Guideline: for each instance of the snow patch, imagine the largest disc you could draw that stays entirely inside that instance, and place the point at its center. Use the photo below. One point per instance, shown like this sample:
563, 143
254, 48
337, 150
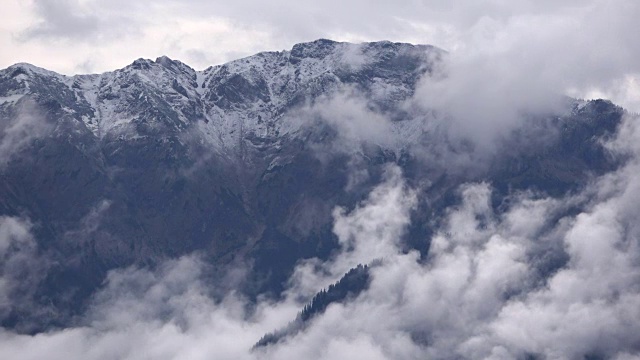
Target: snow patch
11, 99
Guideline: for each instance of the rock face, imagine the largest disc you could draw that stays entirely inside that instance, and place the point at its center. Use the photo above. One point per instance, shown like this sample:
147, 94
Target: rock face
243, 162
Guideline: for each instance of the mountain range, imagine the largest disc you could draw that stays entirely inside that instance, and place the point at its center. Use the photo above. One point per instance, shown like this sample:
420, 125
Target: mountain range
245, 163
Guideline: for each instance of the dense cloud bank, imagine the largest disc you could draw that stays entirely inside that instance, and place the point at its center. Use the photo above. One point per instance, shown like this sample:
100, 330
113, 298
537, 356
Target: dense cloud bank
528, 282
538, 280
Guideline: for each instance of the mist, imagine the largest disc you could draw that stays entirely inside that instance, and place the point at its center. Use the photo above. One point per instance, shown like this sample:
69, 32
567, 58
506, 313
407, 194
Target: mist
486, 289
547, 277
17, 133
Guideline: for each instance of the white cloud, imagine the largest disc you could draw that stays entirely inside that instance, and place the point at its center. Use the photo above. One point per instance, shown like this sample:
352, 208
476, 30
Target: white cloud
350, 114
505, 68
518, 50
19, 131
21, 267
477, 295
370, 232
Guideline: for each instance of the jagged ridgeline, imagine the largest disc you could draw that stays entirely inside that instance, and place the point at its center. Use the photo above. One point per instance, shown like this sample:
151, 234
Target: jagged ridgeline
244, 162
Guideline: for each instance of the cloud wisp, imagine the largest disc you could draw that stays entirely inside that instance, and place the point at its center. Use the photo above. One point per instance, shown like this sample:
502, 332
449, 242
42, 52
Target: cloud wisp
535, 281
17, 132
486, 290
22, 268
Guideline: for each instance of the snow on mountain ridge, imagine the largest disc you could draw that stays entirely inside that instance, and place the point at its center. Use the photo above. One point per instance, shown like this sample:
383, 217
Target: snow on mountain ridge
227, 102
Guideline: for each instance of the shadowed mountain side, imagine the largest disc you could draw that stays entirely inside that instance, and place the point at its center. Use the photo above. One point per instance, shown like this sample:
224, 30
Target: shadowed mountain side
246, 161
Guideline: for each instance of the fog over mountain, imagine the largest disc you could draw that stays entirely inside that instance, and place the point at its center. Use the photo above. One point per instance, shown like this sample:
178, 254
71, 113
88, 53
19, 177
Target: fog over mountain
377, 200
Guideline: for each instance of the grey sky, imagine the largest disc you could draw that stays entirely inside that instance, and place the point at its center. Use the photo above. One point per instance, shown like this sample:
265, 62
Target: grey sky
247, 25
72, 36
589, 45
506, 56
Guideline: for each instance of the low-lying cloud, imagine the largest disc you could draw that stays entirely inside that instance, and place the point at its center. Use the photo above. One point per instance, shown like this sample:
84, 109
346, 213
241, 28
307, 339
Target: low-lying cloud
17, 132
22, 268
486, 289
535, 281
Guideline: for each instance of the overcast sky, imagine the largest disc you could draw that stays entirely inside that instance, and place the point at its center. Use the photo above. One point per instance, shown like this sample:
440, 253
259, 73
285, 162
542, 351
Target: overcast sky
593, 42
505, 56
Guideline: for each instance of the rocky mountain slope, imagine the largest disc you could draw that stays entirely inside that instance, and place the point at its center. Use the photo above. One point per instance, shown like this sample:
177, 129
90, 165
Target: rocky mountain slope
243, 162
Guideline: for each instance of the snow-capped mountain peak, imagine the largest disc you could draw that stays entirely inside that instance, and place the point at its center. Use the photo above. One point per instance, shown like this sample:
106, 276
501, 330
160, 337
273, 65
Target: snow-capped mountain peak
245, 96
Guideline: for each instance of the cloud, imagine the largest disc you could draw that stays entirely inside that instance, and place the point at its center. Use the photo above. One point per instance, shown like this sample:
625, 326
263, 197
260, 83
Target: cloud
77, 20
22, 268
162, 314
504, 70
370, 232
89, 35
17, 133
62, 18
584, 307
169, 312
536, 280
585, 48
480, 295
350, 114
16, 251
484, 291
